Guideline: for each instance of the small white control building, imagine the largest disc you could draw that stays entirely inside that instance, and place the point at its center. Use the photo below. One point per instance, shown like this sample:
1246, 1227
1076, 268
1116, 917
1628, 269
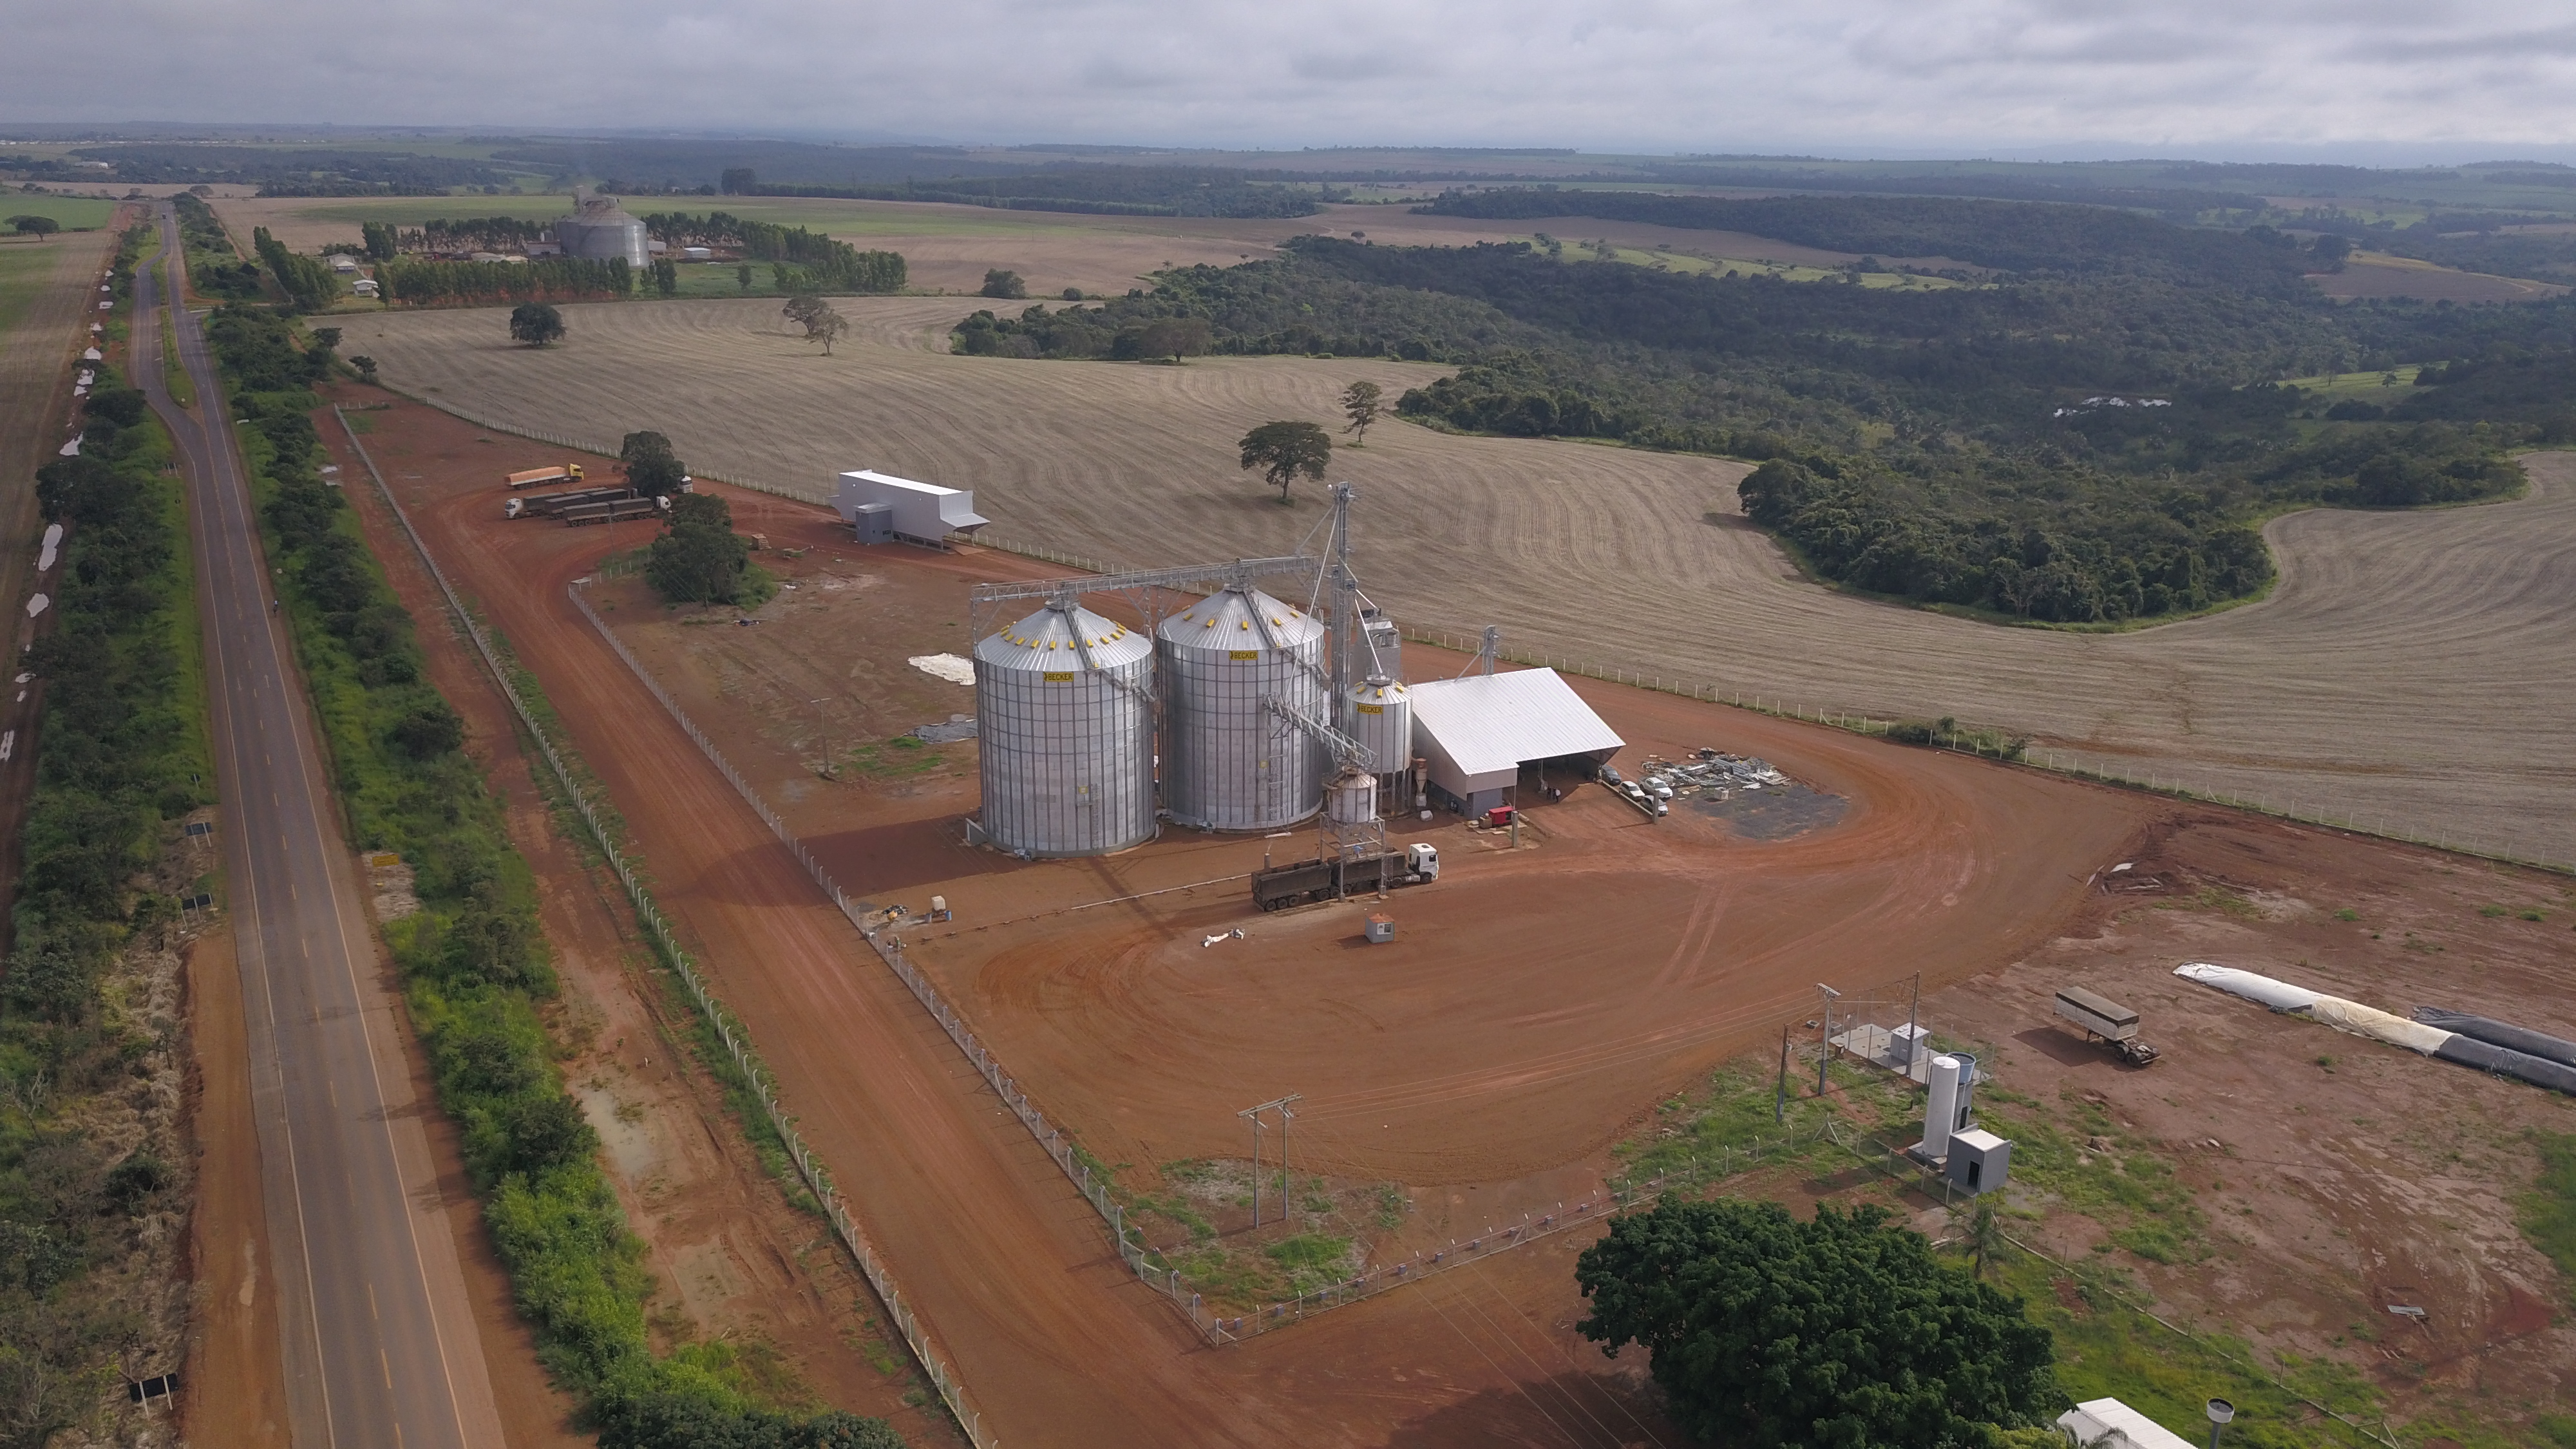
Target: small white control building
1478, 731
923, 513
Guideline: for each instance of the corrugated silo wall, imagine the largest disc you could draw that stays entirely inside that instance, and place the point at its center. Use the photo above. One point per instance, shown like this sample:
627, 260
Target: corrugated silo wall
1228, 762
1067, 758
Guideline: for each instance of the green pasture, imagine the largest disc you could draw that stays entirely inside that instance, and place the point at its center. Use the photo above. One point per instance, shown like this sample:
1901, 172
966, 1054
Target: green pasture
73, 213
2368, 386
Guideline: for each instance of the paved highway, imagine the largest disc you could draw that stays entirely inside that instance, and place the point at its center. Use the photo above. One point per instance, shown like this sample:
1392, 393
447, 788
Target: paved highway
379, 1343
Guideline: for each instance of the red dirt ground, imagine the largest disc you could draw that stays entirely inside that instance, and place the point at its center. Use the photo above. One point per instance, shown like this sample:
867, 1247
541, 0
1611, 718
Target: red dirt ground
1704, 941
734, 1260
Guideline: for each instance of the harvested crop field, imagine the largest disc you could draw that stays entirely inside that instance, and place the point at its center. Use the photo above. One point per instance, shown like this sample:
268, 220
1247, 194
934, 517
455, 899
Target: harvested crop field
2369, 275
2416, 671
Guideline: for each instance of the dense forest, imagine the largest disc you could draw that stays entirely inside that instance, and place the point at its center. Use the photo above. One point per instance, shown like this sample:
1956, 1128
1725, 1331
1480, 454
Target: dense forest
1113, 190
2087, 432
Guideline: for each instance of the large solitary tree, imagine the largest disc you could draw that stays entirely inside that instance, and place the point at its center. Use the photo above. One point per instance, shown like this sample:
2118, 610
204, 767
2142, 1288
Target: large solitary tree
536, 323
1361, 403
1283, 450
1843, 1332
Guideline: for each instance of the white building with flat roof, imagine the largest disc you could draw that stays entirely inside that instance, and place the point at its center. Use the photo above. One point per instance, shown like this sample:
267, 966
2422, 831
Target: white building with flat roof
916, 512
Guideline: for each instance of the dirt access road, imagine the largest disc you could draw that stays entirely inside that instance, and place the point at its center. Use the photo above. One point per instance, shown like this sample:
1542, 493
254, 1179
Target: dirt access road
2415, 669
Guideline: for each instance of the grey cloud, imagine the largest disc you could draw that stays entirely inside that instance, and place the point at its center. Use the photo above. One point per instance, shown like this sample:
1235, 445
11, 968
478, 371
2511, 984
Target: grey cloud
1656, 74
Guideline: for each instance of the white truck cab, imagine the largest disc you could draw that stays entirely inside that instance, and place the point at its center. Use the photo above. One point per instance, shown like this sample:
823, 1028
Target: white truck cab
1422, 860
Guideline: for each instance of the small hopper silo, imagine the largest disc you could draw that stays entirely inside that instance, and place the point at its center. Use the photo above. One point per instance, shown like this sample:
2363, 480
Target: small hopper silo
1229, 761
1064, 710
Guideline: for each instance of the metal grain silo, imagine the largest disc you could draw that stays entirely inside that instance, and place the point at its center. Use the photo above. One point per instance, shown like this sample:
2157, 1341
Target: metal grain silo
1229, 761
1064, 711
601, 230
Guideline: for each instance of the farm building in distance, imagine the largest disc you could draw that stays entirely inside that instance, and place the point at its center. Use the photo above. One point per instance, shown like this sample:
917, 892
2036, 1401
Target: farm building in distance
883, 508
1478, 732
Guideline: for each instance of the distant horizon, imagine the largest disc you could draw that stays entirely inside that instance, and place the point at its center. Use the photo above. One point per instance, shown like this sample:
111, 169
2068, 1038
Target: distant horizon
2391, 156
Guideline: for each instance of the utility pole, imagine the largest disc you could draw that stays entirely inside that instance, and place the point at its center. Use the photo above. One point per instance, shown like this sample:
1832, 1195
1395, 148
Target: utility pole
1825, 1035
1780, 1097
1911, 1005
1253, 1114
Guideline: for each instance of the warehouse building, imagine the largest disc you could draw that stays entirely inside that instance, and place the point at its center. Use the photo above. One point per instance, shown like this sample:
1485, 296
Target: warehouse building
1478, 733
881, 508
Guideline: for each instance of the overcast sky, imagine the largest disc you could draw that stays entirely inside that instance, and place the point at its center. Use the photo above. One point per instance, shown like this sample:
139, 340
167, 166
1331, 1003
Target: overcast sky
2399, 80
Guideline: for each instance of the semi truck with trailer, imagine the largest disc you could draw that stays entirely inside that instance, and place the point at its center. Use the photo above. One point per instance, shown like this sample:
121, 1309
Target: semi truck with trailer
539, 477
550, 505
1279, 887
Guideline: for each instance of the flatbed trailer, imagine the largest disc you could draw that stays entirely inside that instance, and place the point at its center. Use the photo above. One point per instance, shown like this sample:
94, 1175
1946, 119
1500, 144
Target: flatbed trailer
1280, 887
616, 512
549, 505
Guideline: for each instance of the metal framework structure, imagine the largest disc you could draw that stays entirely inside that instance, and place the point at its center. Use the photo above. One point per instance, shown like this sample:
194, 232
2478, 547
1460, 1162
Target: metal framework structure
1285, 1107
1142, 587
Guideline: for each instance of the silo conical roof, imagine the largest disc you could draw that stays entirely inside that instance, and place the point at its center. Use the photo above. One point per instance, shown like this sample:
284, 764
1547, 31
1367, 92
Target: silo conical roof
1227, 620
1046, 642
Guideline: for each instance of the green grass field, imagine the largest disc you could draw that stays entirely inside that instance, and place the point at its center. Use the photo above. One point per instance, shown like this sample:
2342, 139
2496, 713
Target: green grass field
75, 213
24, 266
2378, 387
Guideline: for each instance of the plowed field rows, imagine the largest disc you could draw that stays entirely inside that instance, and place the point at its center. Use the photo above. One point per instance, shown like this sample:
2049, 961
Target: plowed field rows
2411, 670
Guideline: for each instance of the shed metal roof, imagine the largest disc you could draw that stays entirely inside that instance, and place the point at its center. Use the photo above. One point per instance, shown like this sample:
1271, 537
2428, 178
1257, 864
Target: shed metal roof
1493, 722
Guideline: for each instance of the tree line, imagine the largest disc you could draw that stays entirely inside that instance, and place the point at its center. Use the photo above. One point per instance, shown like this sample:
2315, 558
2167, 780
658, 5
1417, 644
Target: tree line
2090, 442
121, 757
548, 279
812, 260
1080, 188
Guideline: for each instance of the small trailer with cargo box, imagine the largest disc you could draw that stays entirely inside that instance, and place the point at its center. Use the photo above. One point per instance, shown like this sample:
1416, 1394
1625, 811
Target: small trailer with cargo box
2102, 1017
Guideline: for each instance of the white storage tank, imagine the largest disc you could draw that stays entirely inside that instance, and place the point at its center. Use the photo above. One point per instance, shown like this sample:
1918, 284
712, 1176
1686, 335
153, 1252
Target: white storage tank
1229, 762
1379, 714
1065, 720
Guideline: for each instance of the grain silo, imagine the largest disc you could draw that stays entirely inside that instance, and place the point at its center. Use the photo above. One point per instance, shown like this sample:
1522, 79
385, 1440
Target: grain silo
600, 230
1064, 710
1230, 762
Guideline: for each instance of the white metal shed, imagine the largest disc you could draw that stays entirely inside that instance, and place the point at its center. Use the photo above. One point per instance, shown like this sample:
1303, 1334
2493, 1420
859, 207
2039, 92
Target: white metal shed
2114, 1425
1476, 732
923, 512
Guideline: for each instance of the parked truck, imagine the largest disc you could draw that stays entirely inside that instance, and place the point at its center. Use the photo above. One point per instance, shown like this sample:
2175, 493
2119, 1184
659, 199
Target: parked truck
617, 511
2100, 1016
1323, 880
538, 477
551, 505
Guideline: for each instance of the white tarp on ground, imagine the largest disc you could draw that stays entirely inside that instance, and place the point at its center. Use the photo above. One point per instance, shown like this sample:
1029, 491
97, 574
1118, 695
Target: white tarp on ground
2334, 1011
52, 547
954, 669
2278, 995
36, 604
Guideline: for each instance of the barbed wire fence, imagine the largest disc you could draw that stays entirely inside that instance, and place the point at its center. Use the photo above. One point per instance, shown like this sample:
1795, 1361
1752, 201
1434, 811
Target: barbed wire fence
729, 1029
